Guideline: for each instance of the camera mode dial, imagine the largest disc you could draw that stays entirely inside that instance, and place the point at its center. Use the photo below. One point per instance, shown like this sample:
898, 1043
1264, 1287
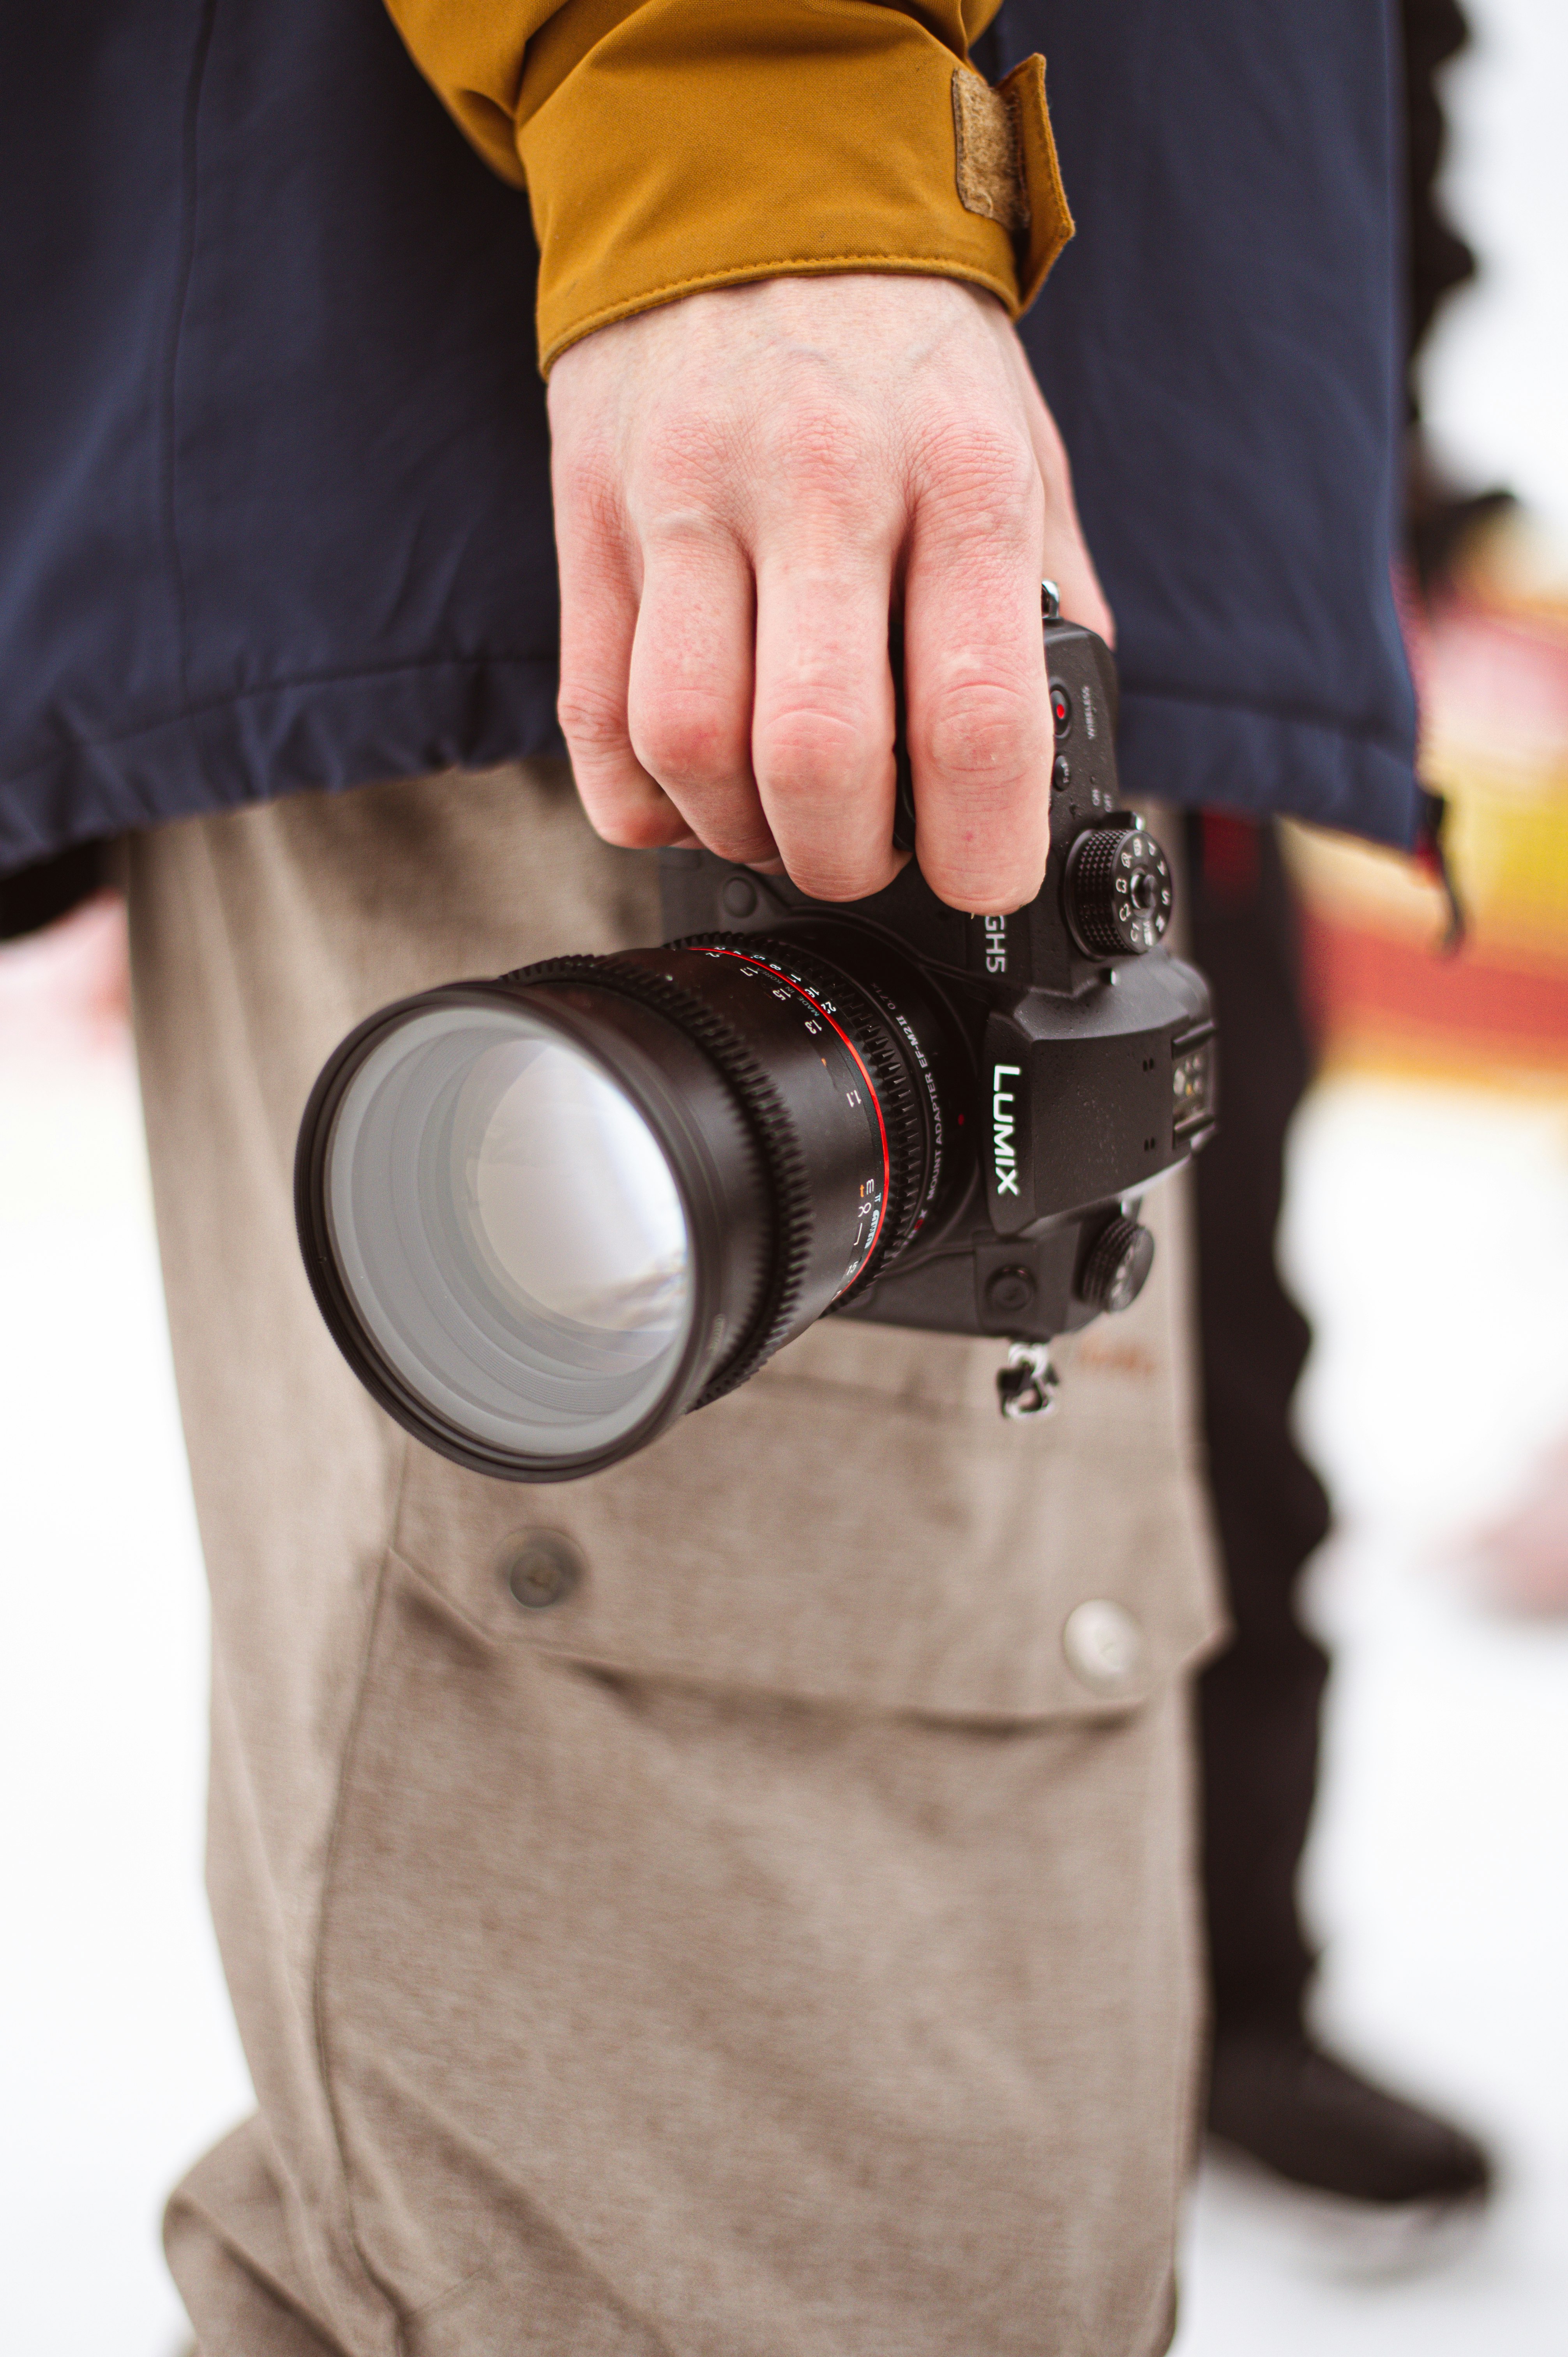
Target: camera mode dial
1119, 894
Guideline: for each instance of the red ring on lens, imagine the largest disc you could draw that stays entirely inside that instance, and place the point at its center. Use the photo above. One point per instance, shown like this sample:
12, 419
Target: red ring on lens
766, 965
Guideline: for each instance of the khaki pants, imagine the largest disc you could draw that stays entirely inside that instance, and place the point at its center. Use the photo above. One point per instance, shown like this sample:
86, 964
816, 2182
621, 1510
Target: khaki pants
776, 1946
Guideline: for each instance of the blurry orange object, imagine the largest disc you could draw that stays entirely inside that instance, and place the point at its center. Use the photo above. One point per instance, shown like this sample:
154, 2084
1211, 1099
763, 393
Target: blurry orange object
1494, 684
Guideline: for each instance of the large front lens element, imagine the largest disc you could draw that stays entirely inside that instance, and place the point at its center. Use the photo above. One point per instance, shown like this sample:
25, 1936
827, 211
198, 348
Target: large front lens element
508, 1231
545, 1216
566, 1202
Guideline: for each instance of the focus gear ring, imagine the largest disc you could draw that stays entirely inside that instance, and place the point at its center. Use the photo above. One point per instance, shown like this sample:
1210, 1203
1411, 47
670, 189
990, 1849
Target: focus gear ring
871, 1033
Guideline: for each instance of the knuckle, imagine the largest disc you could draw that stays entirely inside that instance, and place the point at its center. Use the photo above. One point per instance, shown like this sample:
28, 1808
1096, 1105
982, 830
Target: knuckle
814, 449
593, 719
983, 731
682, 474
687, 740
810, 751
586, 486
983, 477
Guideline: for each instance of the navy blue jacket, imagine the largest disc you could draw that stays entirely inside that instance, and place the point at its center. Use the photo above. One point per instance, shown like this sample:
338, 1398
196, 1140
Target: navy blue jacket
275, 503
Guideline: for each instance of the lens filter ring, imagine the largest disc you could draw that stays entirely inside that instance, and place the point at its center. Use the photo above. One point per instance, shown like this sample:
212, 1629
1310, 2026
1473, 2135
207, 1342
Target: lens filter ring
778, 1148
527, 1323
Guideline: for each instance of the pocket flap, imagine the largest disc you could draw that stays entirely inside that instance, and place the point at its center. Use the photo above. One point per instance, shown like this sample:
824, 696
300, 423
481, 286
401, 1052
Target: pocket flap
858, 1524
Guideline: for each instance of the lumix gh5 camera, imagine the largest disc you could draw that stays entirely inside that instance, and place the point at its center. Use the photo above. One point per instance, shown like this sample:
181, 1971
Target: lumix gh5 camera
545, 1215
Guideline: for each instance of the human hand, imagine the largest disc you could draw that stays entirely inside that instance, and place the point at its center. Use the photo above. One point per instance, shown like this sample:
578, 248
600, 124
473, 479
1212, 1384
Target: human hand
746, 483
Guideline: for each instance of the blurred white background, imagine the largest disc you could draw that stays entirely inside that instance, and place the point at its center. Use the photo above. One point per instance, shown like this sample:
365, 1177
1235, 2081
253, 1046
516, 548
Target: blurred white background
1427, 1236
1494, 386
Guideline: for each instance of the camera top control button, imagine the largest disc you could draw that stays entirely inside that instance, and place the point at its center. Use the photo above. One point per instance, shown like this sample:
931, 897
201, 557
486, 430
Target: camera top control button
1009, 1292
1061, 707
1103, 1646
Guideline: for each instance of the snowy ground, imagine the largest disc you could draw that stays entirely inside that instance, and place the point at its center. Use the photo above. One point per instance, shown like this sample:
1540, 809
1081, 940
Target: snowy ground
1427, 1230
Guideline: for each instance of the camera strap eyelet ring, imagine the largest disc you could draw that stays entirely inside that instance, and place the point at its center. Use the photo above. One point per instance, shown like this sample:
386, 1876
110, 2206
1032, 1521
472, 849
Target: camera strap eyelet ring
1028, 1384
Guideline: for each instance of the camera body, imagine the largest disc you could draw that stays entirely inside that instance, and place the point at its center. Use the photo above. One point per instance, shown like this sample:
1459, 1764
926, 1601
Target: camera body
1077, 1054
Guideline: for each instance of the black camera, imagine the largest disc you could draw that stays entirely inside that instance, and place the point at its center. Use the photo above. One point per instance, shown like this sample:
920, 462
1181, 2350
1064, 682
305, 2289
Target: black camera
545, 1215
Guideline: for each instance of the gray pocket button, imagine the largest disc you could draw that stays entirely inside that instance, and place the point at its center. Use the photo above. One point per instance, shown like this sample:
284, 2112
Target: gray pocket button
540, 1569
1104, 1646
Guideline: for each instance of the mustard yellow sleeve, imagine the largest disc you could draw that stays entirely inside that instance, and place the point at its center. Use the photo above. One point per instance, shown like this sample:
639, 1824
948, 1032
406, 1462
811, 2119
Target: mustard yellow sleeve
669, 146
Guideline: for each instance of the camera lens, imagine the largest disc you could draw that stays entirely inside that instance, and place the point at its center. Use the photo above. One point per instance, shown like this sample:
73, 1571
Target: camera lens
507, 1227
545, 1215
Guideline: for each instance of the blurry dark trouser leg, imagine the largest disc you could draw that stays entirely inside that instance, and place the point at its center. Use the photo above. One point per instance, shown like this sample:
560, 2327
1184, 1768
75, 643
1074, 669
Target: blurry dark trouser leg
1273, 2092
1259, 1701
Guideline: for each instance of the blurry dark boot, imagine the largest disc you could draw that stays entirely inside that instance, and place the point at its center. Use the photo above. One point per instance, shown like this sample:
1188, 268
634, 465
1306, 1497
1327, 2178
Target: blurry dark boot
1379, 2181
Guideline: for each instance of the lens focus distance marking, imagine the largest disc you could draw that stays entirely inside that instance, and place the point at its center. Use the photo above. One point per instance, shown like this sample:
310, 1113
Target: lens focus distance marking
858, 1092
866, 1067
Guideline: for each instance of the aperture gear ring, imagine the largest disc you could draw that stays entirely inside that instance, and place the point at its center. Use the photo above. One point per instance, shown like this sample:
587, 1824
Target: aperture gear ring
872, 1033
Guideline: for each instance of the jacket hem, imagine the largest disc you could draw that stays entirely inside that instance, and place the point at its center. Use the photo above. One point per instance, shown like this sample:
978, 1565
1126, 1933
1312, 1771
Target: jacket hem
1207, 753
353, 728
363, 728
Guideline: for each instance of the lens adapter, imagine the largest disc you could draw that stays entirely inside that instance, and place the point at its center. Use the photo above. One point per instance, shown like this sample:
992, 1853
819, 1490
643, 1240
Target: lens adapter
545, 1215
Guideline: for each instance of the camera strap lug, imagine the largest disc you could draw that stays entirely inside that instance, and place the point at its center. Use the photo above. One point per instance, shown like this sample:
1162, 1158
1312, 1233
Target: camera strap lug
1028, 1384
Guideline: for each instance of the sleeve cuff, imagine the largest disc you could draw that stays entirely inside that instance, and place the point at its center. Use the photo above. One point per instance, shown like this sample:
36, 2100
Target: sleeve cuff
698, 145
